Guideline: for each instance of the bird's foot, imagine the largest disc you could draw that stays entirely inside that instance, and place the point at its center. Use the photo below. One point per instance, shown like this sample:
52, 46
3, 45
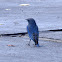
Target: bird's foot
28, 44
37, 45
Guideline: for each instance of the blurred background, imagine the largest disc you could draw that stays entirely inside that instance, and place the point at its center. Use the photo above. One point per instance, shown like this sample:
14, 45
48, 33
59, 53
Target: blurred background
47, 13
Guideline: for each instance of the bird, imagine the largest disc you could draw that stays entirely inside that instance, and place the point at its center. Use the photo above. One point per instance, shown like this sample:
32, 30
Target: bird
33, 31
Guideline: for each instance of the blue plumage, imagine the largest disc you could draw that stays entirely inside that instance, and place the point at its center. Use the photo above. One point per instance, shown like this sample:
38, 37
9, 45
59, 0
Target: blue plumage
32, 30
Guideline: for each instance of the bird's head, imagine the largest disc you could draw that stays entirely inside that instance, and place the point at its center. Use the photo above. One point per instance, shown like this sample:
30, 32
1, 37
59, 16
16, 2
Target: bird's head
31, 21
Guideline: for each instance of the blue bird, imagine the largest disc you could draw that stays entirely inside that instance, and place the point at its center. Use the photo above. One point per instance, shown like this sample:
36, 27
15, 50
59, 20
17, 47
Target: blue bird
32, 30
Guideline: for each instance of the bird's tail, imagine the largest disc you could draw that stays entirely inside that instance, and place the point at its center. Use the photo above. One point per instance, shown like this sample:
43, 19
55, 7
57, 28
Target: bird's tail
36, 43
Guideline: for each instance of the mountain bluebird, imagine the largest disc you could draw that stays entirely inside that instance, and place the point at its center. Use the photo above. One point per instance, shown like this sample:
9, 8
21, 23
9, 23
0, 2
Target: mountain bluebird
32, 30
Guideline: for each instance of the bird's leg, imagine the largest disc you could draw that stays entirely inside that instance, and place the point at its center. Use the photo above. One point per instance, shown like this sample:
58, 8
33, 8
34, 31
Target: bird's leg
29, 42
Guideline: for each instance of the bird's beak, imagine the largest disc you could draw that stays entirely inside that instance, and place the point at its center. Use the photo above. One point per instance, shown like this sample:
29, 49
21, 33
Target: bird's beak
26, 19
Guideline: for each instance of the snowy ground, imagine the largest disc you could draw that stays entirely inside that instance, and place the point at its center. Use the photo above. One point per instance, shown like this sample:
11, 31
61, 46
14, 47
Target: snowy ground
48, 52
48, 15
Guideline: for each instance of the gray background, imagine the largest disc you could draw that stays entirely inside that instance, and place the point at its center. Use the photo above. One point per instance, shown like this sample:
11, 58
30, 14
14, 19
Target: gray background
48, 15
